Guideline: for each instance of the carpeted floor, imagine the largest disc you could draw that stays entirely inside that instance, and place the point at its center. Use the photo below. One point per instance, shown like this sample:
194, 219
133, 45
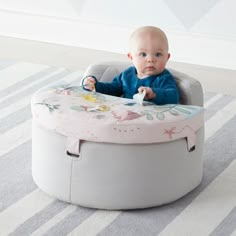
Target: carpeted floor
25, 210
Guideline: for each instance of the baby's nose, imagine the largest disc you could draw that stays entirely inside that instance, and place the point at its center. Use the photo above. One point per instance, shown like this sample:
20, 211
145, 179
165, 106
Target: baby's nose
151, 59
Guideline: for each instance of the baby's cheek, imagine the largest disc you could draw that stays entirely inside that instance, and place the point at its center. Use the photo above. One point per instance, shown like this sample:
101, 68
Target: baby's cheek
162, 65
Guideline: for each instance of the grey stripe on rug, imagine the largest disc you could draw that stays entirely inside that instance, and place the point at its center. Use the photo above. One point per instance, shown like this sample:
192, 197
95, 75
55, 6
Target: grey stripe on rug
210, 209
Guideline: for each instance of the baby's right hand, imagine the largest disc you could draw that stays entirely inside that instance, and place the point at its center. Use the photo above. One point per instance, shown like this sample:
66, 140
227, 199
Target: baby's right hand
89, 83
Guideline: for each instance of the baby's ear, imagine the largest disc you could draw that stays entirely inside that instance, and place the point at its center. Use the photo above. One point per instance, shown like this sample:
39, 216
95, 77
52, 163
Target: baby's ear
129, 56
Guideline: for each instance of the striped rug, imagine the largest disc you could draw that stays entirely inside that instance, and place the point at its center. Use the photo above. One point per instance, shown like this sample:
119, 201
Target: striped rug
25, 210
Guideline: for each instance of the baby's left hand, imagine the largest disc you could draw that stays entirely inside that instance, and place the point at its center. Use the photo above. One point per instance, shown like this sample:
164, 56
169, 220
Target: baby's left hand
149, 92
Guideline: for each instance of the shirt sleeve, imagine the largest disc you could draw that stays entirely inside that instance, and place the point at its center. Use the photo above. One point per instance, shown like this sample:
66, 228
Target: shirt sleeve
166, 90
113, 88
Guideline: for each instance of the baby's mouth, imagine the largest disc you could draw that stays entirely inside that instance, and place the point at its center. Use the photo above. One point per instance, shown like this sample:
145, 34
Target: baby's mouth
150, 68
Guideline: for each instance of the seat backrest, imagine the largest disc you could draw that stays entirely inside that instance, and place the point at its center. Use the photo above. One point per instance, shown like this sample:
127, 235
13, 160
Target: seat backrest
191, 92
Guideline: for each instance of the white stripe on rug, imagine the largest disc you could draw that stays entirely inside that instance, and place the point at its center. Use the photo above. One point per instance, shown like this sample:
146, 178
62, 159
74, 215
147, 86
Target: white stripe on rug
95, 223
17, 72
15, 137
43, 78
14, 107
220, 118
74, 76
233, 234
19, 212
55, 220
213, 100
208, 209
26, 100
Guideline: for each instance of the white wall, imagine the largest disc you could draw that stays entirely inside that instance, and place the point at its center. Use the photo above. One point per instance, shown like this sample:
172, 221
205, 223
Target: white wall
200, 32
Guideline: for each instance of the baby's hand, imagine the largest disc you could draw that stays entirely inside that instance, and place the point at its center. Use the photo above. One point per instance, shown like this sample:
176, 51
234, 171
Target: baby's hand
149, 92
89, 83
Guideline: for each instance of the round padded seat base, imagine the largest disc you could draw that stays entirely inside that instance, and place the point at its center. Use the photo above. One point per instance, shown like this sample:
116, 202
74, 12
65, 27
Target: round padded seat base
106, 152
115, 176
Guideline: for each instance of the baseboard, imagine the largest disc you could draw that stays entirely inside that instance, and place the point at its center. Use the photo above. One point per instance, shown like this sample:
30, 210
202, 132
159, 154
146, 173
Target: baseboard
184, 47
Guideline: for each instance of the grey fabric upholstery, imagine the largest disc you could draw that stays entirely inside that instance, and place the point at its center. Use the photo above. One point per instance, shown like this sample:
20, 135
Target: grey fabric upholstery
191, 92
119, 176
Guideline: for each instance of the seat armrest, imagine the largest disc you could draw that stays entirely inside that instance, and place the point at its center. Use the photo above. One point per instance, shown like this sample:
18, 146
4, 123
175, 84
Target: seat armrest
191, 92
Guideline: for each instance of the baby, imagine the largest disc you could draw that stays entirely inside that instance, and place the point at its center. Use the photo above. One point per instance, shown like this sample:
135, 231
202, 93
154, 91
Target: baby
149, 53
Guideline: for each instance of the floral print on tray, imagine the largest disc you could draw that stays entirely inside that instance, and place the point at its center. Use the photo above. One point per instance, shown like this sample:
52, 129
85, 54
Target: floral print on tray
72, 111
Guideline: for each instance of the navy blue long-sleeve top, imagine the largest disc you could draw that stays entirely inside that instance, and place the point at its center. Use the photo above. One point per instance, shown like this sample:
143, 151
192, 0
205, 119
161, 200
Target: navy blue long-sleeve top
127, 83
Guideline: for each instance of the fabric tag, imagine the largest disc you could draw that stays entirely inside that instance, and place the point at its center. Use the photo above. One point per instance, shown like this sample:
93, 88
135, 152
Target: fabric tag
73, 146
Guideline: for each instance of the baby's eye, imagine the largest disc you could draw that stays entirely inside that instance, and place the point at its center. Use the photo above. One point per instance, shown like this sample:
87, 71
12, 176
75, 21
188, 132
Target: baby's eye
143, 54
158, 54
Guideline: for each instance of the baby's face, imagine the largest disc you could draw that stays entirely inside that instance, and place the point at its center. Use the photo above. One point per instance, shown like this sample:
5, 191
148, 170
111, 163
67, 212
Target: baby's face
149, 54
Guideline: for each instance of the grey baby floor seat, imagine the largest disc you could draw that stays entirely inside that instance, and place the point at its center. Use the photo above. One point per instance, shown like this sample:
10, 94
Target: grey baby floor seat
75, 166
